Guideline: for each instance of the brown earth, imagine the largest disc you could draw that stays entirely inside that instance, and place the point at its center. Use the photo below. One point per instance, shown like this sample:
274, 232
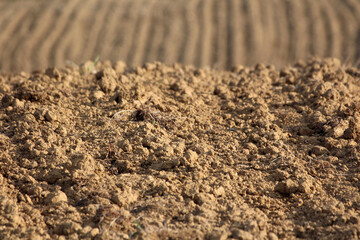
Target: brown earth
175, 152
38, 34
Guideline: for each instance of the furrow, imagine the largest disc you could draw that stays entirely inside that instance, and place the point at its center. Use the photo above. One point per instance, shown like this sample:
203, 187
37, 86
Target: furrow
129, 30
231, 26
42, 33
60, 25
163, 34
185, 33
333, 32
28, 51
313, 26
318, 41
354, 7
104, 28
309, 27
268, 23
74, 41
219, 58
175, 33
120, 31
299, 38
11, 28
290, 20
58, 51
276, 43
113, 21
98, 12
22, 30
193, 35
18, 52
303, 37
155, 33
136, 58
256, 32
283, 36
349, 27
6, 13
174, 45
204, 43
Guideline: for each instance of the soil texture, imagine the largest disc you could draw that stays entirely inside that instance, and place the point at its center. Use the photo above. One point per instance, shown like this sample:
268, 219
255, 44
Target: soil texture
176, 152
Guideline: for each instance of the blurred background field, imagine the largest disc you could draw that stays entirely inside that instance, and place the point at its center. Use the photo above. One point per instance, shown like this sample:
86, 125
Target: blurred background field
36, 34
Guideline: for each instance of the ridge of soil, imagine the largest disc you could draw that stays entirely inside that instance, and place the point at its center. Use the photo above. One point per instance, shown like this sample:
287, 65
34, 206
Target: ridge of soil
205, 33
176, 152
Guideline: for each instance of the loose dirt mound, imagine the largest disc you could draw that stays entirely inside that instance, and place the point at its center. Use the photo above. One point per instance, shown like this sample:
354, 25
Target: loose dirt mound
174, 152
220, 34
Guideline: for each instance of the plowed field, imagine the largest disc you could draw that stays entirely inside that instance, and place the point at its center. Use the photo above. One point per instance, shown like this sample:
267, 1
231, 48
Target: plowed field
175, 152
141, 147
219, 34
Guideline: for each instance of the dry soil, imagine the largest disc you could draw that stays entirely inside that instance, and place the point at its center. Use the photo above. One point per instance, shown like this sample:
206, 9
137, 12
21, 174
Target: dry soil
176, 152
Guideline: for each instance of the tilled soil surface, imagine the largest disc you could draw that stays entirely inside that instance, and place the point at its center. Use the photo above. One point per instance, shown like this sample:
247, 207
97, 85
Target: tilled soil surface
175, 152
37, 34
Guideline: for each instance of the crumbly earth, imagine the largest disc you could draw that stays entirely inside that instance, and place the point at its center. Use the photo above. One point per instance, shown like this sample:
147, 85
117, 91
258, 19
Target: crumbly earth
176, 152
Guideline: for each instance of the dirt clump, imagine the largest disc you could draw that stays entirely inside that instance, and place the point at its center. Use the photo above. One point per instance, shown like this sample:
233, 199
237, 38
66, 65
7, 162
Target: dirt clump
175, 152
